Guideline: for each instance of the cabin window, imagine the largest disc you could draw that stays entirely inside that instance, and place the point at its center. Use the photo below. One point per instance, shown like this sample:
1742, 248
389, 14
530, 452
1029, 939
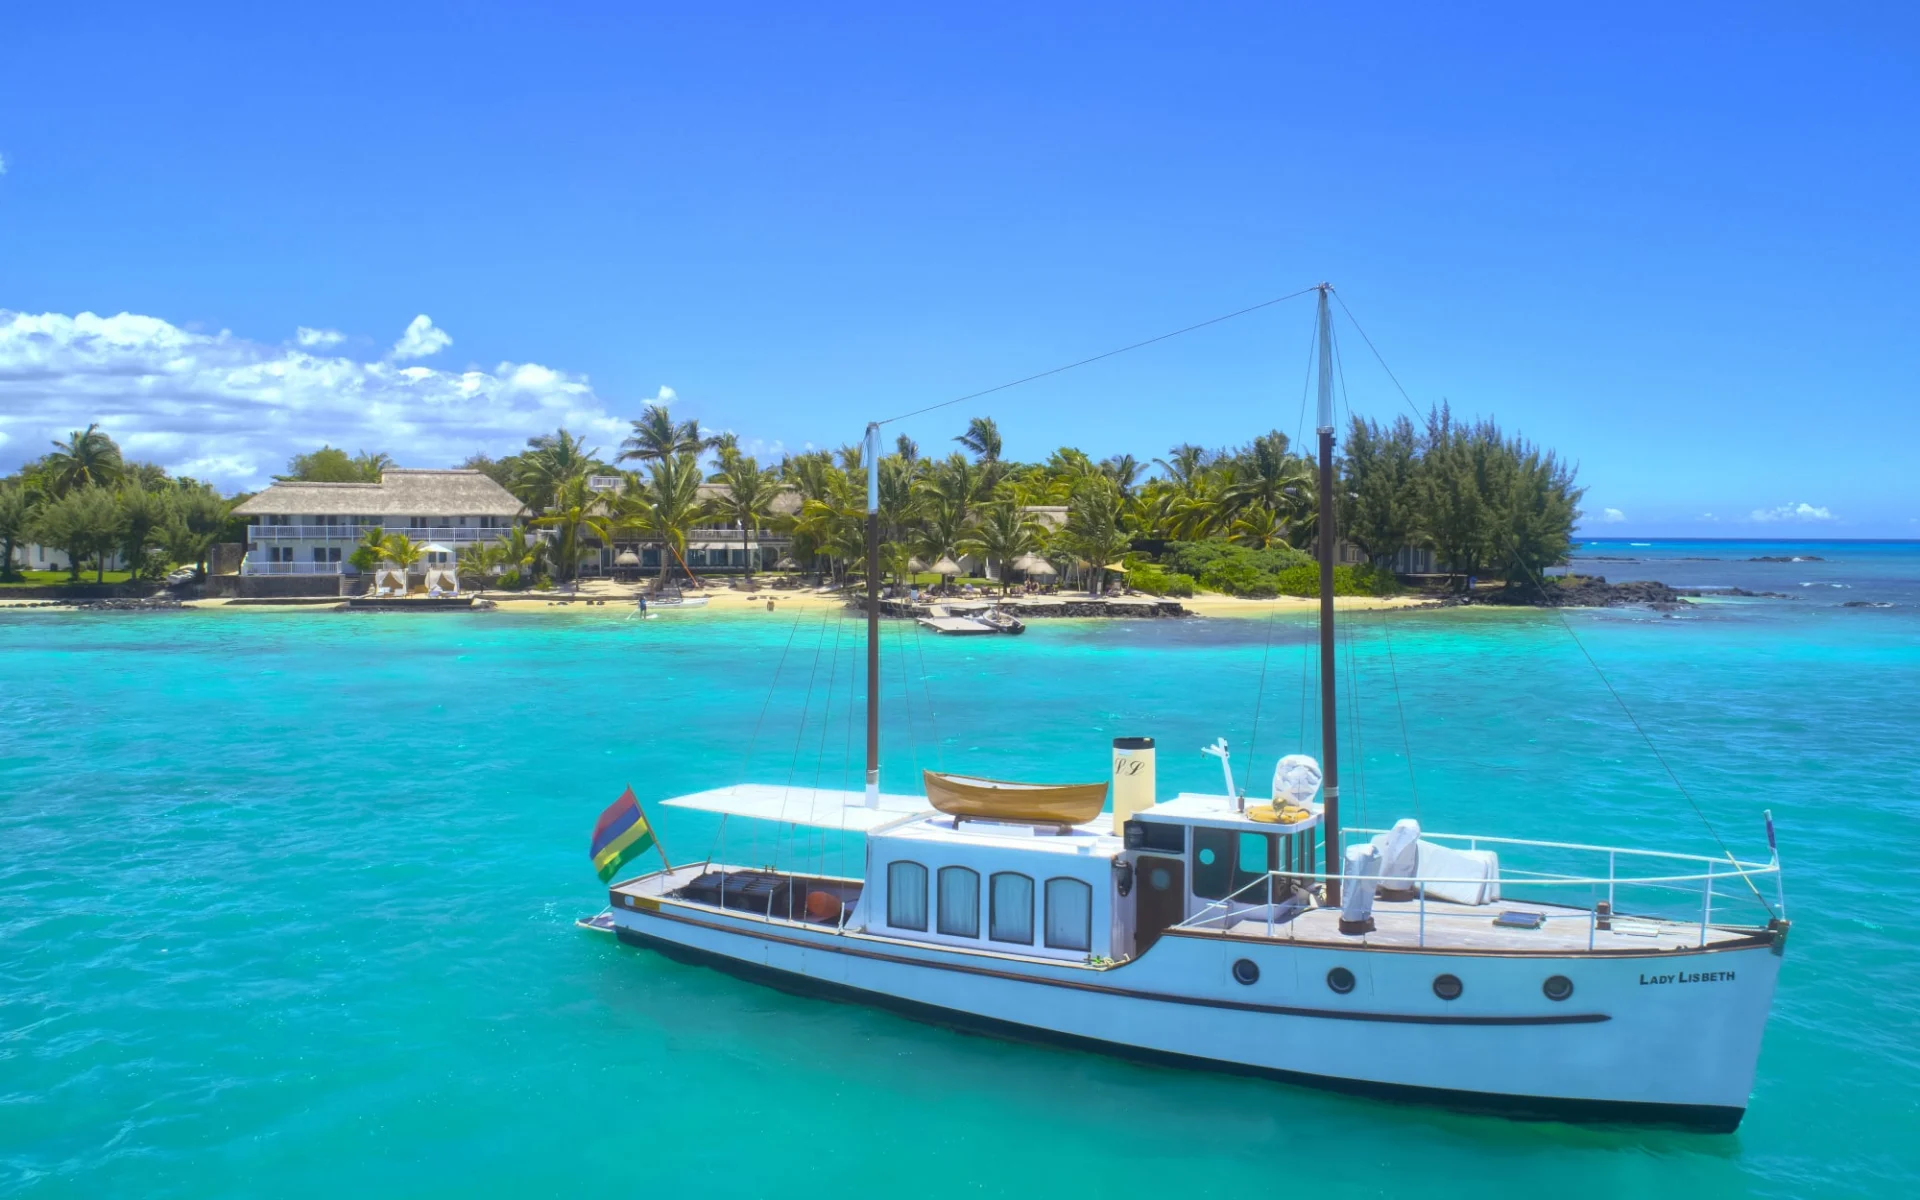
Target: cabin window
1011, 915
959, 902
1212, 862
907, 896
1069, 914
1253, 854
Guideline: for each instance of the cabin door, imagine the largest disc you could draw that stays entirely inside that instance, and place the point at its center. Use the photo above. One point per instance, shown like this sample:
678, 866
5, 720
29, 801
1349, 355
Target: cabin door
1159, 898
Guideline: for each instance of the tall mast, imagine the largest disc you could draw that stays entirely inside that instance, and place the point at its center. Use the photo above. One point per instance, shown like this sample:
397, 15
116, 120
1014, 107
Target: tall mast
1329, 740
873, 615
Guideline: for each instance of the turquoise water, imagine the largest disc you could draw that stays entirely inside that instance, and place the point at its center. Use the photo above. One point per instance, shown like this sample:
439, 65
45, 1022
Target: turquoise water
286, 899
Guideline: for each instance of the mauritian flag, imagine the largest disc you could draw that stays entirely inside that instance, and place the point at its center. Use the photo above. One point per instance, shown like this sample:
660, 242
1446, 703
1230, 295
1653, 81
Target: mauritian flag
622, 834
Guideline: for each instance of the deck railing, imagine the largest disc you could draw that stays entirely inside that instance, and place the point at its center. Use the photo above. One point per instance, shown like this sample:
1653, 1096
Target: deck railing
1688, 879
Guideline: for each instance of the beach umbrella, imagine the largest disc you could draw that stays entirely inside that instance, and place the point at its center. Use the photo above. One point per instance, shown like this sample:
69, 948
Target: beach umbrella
1120, 567
434, 548
628, 559
915, 565
1033, 564
946, 566
786, 564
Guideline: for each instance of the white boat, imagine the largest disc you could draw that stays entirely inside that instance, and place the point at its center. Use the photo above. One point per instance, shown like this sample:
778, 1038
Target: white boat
671, 599
1490, 974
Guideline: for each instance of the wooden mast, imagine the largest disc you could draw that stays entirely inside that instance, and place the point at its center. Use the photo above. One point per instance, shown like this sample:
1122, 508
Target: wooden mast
873, 616
1329, 741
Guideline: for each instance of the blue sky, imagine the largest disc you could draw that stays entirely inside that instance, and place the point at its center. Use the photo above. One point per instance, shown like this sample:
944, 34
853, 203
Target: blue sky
1674, 242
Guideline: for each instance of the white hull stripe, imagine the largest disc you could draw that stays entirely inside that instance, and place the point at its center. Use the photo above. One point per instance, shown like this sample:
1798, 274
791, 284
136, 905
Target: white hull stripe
1332, 1014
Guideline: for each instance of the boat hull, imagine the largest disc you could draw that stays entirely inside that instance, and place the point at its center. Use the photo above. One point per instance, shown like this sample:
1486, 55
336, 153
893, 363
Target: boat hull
1640, 1041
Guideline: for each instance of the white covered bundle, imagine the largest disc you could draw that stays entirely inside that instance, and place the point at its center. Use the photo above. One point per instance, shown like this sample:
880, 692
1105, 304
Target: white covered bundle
1356, 891
1399, 857
1480, 868
1296, 778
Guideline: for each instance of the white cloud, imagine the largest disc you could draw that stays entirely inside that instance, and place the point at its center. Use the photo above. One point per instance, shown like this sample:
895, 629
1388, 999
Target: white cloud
232, 411
1792, 512
421, 339
3, 164
664, 396
319, 337
1611, 516
1708, 517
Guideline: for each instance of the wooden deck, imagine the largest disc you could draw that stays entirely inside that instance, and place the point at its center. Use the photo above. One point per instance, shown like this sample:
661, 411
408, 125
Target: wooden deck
1467, 927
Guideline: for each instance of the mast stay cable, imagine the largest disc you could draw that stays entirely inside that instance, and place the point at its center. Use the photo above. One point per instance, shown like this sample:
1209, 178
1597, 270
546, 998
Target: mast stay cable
1513, 558
1096, 358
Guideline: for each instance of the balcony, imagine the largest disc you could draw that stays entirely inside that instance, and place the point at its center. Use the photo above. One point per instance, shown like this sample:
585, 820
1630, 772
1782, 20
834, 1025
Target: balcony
446, 534
249, 567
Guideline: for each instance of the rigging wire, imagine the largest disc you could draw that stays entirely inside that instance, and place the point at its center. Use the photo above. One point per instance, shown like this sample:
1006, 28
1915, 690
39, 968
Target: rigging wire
1273, 609
1393, 673
926, 691
1514, 558
1096, 358
826, 723
906, 694
746, 761
1348, 628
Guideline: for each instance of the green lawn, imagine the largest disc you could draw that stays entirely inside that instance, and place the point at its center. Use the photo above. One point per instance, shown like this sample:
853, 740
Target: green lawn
56, 578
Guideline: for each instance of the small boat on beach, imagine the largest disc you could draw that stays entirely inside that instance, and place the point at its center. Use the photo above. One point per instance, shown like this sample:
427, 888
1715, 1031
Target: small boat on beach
943, 619
671, 599
1254, 935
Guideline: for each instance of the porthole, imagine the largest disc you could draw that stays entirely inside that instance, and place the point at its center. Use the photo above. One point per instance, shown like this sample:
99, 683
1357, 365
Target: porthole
1160, 878
1340, 980
1447, 987
1206, 857
1245, 970
1557, 987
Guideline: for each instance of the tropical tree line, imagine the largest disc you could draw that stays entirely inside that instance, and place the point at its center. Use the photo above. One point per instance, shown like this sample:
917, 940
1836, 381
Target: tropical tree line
1240, 519
1237, 519
87, 500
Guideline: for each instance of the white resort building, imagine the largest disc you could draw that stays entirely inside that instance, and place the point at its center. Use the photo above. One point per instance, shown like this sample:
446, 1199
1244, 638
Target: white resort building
310, 529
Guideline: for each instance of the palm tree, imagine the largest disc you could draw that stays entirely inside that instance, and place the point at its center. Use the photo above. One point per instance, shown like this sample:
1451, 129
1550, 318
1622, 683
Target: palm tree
480, 560
1094, 530
1003, 533
550, 463
371, 550
1183, 464
657, 436
402, 551
1257, 527
88, 458
983, 438
517, 553
143, 517
749, 498
372, 465
907, 449
16, 516
576, 509
668, 505
1283, 482
1125, 471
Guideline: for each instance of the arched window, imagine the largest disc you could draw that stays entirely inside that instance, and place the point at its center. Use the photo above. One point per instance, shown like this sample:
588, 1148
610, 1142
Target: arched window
1011, 915
959, 902
907, 896
1069, 914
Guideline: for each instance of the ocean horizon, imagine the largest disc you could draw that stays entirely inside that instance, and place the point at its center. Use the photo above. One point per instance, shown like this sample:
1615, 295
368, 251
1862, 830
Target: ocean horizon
288, 900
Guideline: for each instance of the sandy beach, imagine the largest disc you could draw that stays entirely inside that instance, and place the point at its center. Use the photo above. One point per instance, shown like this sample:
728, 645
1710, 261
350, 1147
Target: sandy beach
593, 593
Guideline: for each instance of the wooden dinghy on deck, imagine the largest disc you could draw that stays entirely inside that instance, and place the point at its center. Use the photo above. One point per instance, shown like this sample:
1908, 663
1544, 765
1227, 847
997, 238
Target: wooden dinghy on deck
969, 797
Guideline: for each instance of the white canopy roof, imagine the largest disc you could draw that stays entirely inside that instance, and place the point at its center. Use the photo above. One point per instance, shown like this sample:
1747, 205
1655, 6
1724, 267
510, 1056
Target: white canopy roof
818, 808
